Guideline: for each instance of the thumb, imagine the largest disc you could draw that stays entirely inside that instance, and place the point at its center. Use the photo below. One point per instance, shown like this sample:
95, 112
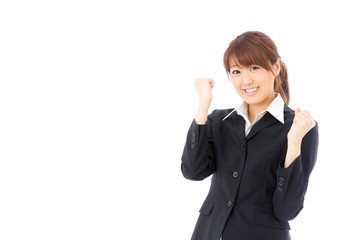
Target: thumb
211, 83
297, 110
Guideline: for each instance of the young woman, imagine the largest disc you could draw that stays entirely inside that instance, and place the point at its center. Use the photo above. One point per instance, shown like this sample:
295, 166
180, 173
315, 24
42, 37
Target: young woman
260, 155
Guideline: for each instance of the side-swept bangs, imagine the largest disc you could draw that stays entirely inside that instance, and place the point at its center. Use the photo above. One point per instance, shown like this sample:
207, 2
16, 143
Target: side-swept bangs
246, 52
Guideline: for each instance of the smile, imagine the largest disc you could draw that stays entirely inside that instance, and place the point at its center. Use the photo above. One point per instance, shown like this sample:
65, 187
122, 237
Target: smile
251, 90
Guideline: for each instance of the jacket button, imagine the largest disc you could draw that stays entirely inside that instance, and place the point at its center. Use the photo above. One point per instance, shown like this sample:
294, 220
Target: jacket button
243, 147
281, 178
280, 189
193, 145
235, 174
229, 203
194, 134
281, 184
193, 140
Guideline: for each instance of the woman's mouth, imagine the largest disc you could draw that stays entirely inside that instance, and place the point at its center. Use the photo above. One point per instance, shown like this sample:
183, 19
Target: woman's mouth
251, 91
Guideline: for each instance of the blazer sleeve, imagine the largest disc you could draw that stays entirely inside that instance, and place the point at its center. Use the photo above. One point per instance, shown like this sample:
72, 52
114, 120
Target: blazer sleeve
197, 161
292, 181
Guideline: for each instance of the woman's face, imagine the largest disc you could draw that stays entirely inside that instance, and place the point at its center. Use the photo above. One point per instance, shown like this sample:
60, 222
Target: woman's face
254, 84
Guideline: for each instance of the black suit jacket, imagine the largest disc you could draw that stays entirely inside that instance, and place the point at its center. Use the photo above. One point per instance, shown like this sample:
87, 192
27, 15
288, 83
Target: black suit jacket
251, 197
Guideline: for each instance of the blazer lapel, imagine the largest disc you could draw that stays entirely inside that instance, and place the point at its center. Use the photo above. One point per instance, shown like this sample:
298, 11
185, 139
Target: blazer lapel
266, 121
239, 126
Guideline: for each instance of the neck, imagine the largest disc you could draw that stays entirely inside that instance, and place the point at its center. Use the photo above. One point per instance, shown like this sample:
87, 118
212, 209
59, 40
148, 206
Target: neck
255, 109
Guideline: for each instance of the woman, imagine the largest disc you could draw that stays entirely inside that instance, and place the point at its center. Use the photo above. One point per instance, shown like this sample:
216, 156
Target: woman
260, 155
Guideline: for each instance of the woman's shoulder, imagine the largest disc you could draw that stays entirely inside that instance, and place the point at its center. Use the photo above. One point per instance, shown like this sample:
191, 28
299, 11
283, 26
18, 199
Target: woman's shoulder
220, 114
289, 114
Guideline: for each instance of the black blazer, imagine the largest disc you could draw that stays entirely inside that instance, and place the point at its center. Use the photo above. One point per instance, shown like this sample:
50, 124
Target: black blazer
251, 197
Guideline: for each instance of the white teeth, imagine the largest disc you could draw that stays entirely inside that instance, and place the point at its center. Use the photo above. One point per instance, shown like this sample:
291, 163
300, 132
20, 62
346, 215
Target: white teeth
251, 90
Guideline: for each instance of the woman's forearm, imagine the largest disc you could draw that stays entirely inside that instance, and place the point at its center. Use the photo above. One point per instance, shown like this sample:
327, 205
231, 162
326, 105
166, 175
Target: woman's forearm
203, 87
202, 112
293, 151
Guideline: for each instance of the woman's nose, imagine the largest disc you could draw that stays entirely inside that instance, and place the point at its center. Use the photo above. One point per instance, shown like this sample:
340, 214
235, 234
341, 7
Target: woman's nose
247, 80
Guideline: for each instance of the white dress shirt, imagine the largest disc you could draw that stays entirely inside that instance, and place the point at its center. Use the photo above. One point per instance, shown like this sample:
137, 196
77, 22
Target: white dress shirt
276, 108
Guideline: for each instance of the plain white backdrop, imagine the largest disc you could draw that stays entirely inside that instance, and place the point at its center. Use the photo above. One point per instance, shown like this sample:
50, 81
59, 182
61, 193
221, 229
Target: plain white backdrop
96, 98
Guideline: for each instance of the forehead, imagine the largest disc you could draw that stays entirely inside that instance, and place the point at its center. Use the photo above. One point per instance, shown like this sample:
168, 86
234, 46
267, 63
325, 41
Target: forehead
233, 63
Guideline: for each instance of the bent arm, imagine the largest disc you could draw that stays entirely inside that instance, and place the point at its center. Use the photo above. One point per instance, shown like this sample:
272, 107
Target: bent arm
197, 161
292, 181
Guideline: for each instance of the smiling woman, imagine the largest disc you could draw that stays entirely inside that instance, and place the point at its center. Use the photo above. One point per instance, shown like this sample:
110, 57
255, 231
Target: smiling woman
256, 53
261, 158
255, 85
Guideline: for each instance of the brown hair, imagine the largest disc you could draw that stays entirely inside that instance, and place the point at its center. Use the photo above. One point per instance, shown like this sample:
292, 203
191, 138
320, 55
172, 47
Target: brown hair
256, 48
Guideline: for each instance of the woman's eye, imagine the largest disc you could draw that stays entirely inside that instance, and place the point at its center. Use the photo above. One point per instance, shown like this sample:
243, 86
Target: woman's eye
235, 72
254, 68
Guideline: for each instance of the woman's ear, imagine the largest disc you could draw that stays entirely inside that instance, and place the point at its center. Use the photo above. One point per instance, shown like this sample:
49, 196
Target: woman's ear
277, 67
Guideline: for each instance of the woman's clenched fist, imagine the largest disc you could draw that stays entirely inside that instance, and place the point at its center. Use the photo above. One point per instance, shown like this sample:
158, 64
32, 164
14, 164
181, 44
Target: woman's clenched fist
203, 87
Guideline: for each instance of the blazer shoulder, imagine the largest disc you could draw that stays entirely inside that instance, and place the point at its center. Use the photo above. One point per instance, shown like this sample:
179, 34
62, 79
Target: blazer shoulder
220, 114
289, 114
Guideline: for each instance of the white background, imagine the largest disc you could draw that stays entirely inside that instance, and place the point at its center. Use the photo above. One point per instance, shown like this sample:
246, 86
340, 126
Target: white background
96, 98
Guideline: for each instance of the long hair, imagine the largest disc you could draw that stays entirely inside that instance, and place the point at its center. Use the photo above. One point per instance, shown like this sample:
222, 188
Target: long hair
256, 48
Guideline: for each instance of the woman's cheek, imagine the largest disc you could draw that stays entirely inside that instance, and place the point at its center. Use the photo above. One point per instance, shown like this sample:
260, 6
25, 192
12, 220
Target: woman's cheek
240, 91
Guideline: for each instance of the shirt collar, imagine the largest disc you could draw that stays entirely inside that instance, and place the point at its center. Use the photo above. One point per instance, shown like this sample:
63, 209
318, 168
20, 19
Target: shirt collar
276, 108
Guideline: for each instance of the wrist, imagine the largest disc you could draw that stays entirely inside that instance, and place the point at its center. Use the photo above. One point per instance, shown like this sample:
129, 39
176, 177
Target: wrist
202, 112
294, 142
293, 151
205, 101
